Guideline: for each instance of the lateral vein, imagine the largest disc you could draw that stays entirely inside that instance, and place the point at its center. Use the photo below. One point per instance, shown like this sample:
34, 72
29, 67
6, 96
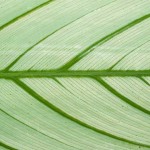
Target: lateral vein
70, 117
116, 93
101, 41
24, 14
44, 38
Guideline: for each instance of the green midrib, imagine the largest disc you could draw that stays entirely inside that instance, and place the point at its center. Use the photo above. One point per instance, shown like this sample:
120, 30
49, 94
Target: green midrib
78, 73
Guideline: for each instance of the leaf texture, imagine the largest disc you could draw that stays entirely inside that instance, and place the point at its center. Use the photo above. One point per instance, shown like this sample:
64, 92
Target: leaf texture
75, 75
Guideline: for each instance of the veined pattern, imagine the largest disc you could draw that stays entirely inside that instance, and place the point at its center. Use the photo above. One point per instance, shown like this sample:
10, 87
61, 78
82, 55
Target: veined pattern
75, 74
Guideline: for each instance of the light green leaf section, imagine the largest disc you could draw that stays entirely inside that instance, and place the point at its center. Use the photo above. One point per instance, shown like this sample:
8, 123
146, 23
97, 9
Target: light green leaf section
49, 122
40, 24
147, 79
14, 9
133, 88
75, 75
127, 51
93, 106
65, 44
30, 138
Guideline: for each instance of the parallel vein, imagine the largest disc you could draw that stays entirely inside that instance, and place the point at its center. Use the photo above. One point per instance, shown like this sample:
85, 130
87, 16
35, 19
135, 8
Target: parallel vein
101, 41
64, 114
44, 38
25, 14
66, 70
115, 92
126, 55
33, 128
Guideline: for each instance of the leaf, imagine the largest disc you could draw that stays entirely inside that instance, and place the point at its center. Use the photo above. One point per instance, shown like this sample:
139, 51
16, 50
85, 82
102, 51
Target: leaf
75, 75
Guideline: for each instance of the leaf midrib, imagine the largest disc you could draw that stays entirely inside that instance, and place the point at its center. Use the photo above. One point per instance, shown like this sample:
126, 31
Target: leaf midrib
73, 73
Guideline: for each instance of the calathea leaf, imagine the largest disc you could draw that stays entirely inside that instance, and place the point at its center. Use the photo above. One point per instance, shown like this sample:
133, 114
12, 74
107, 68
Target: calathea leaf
75, 75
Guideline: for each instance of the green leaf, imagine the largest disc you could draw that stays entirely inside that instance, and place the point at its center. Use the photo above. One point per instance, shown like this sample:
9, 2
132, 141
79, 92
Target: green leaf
75, 75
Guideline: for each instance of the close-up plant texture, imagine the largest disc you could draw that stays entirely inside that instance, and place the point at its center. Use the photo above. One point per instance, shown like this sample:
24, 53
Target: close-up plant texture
75, 74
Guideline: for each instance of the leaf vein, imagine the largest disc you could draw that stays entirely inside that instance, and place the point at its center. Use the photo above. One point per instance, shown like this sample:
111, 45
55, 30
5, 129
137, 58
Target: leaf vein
24, 14
116, 93
66, 115
103, 40
19, 57
34, 128
79, 73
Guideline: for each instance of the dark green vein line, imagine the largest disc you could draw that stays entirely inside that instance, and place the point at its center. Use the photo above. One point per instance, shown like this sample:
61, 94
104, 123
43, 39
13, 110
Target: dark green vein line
64, 114
34, 128
80, 73
59, 83
66, 88
18, 58
144, 81
101, 41
127, 55
125, 99
6, 146
25, 14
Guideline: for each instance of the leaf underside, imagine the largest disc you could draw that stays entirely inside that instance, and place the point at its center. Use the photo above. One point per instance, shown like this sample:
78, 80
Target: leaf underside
75, 74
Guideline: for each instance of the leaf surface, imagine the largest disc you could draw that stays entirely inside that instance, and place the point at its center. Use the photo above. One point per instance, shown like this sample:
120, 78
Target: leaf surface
75, 75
